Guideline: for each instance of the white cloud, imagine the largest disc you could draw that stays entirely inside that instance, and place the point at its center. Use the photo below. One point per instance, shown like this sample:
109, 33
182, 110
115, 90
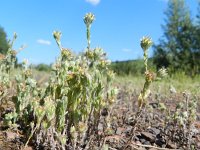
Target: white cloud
93, 2
126, 50
43, 42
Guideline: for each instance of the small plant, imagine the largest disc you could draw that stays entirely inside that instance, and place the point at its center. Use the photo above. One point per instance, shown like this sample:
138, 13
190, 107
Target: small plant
150, 76
182, 122
69, 106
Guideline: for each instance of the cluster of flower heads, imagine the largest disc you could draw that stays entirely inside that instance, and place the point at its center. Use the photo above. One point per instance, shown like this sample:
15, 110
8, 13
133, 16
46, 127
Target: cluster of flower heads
146, 42
88, 19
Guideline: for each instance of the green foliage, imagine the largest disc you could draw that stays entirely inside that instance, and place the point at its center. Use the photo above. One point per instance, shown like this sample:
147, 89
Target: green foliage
131, 67
175, 50
196, 43
198, 14
3, 42
42, 67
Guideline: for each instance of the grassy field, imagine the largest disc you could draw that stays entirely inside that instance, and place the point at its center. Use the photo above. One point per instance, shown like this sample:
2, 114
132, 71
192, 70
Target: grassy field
178, 82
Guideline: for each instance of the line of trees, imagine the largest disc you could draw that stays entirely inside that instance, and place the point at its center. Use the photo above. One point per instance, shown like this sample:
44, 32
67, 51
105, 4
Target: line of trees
131, 67
179, 47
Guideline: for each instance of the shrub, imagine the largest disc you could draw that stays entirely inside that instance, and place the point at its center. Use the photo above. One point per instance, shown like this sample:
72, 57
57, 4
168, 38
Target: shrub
43, 67
65, 113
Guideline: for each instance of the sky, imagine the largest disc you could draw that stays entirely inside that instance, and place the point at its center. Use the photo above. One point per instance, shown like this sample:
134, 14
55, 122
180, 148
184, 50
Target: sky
118, 27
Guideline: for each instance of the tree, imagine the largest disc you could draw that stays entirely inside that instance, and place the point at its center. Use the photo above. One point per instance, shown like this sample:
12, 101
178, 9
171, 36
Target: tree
175, 47
3, 41
198, 14
196, 46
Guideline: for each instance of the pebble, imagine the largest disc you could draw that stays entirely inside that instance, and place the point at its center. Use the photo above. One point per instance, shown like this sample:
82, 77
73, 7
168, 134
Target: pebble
10, 135
154, 131
148, 136
120, 130
128, 130
160, 142
171, 145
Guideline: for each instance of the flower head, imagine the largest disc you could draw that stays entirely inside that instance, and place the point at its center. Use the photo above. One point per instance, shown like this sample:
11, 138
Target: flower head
25, 62
66, 53
13, 52
57, 35
146, 42
162, 72
15, 35
88, 19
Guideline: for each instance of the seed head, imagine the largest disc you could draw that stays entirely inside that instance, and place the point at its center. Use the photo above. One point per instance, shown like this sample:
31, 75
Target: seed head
145, 43
2, 56
88, 19
150, 76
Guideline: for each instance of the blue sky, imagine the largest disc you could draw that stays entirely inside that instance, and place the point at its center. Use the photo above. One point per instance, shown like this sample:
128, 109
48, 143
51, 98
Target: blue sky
118, 27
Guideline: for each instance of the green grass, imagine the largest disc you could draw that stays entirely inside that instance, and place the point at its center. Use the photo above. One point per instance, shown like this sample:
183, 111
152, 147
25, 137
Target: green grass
181, 83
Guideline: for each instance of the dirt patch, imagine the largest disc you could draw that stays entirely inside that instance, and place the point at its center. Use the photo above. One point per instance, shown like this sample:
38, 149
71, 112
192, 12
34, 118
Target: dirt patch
124, 130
